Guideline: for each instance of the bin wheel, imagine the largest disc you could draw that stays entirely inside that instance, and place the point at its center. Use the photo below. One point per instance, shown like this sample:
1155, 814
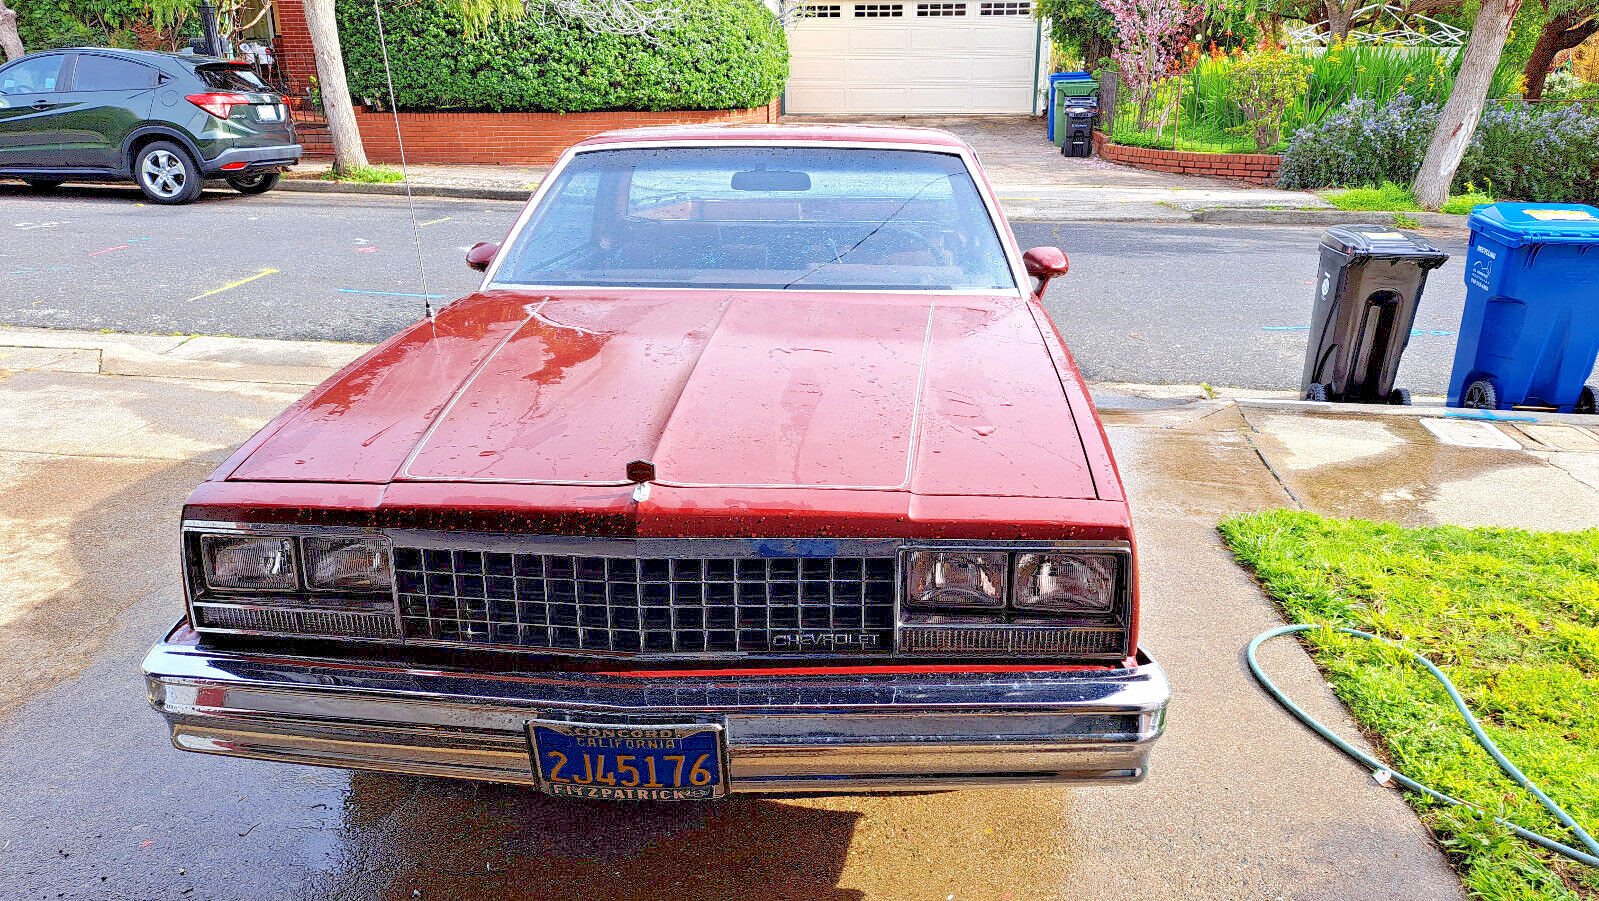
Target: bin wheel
1586, 401
1399, 397
1316, 392
1480, 395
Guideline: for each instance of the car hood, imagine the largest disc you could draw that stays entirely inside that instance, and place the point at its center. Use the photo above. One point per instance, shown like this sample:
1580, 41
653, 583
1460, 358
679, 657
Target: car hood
932, 394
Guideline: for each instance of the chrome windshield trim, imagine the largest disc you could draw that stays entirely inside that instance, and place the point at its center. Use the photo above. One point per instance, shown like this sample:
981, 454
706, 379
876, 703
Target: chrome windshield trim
882, 292
996, 218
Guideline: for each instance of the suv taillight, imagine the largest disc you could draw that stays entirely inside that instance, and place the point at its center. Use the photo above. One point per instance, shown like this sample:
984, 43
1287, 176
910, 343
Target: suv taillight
219, 105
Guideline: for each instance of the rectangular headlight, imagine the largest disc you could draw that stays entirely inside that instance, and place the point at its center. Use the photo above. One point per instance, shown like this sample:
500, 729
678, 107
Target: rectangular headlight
347, 564
250, 562
956, 579
1054, 582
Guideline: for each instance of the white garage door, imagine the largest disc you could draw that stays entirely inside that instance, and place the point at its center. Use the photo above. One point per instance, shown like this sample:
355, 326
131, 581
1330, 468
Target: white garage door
913, 57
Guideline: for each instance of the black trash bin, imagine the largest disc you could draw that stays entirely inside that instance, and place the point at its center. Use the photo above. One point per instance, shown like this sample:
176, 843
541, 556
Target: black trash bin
1370, 283
1077, 118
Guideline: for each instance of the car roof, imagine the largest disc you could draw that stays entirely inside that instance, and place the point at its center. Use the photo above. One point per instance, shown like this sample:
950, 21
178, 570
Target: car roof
931, 138
193, 59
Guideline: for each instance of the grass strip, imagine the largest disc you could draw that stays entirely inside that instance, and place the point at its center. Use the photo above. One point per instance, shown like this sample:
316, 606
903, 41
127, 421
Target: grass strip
1511, 616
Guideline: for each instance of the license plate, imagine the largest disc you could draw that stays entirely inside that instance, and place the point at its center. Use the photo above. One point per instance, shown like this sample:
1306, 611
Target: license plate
268, 112
630, 763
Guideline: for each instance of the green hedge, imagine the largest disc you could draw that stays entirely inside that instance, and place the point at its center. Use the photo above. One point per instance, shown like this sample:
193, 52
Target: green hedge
722, 54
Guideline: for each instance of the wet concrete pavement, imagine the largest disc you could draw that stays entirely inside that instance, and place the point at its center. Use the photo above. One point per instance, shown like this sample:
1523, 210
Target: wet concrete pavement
1241, 803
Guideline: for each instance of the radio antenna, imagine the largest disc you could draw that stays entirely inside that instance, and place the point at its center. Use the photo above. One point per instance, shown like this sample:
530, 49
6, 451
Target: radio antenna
405, 173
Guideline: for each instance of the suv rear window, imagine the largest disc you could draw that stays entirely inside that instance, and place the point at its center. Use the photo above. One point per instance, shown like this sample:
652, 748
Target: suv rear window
105, 73
230, 78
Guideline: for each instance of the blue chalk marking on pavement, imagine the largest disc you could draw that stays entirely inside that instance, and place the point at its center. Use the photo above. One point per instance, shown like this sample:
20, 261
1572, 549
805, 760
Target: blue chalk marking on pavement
1284, 328
391, 293
1493, 416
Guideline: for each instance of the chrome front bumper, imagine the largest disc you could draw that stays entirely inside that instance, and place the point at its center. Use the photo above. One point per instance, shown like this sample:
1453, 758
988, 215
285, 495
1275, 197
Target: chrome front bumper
823, 732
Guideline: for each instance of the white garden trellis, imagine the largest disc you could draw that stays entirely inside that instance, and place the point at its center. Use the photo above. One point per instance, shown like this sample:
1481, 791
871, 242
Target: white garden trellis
1403, 32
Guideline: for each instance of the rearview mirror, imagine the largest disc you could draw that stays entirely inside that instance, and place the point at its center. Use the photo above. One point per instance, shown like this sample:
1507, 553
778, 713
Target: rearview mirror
771, 180
1045, 263
482, 254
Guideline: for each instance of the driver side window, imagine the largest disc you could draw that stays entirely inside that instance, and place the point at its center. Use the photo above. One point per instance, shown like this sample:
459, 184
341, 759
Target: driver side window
39, 75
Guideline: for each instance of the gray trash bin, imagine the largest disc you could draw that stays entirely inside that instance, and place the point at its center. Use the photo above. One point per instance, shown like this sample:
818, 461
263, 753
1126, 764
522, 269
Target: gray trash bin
1370, 282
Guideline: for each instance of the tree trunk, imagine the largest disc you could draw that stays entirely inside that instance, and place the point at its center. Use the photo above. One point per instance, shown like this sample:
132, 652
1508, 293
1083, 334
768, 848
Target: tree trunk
1095, 49
10, 41
347, 150
1458, 120
1338, 19
1563, 32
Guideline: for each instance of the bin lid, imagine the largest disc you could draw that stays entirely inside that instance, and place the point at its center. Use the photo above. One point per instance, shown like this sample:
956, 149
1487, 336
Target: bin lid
1515, 224
1382, 242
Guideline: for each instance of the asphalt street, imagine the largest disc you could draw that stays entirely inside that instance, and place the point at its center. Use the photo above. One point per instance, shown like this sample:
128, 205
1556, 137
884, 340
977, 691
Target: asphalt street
1227, 305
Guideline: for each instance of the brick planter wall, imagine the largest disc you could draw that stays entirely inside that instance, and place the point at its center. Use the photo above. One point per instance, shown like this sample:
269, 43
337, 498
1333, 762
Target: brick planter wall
517, 139
1256, 168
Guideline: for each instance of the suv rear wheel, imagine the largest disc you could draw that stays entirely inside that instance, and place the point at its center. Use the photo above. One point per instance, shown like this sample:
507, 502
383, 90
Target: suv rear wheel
259, 183
166, 174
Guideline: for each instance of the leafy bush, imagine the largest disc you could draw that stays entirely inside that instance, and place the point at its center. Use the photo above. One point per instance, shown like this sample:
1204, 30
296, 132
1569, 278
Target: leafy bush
722, 54
1081, 27
1264, 85
1539, 152
1361, 144
133, 24
47, 24
1566, 86
1535, 152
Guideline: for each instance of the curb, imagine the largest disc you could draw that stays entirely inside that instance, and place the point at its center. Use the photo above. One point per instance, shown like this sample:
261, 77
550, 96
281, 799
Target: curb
317, 186
1245, 216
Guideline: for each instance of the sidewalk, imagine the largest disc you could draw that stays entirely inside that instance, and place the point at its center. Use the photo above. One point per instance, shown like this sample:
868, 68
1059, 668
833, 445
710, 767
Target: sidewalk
1033, 181
103, 435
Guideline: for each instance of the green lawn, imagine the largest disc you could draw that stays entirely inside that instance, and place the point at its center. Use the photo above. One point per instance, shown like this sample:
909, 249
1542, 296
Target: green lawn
1511, 616
1391, 198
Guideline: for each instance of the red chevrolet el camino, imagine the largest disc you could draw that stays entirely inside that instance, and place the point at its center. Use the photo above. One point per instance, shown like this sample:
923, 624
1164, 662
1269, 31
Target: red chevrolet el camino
755, 464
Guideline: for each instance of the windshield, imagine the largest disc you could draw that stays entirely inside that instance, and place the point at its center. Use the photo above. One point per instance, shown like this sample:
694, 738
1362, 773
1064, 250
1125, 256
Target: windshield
761, 217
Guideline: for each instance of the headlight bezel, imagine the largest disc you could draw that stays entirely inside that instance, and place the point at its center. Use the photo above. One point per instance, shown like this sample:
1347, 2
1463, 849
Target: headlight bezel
1015, 631
373, 611
1119, 554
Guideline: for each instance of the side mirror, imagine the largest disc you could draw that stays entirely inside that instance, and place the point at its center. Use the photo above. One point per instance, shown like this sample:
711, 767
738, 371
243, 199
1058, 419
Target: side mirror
482, 254
1045, 263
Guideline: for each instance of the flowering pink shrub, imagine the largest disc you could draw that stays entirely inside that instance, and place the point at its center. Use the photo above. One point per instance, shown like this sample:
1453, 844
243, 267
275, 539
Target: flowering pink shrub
1150, 38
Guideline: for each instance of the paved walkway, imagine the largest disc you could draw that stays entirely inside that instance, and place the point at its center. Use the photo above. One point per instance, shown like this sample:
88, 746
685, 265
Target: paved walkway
1033, 180
102, 436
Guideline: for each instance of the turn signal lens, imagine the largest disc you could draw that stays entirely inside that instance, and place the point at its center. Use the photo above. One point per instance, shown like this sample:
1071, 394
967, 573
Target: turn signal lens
956, 579
257, 563
1066, 583
219, 105
350, 564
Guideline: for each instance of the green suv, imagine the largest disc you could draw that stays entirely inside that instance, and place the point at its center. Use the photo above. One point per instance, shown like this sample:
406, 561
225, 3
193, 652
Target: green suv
165, 120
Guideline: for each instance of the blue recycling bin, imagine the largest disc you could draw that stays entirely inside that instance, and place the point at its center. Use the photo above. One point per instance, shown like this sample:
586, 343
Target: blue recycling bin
1050, 112
1530, 330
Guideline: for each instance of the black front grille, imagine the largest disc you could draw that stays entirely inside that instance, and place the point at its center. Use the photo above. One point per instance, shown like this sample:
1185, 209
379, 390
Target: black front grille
688, 605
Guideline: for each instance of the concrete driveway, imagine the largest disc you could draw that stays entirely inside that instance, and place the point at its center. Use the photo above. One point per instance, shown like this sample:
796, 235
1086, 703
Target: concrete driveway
102, 436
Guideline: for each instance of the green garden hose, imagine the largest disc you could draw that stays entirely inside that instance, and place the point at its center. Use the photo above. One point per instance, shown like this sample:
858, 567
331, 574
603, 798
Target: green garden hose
1378, 767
